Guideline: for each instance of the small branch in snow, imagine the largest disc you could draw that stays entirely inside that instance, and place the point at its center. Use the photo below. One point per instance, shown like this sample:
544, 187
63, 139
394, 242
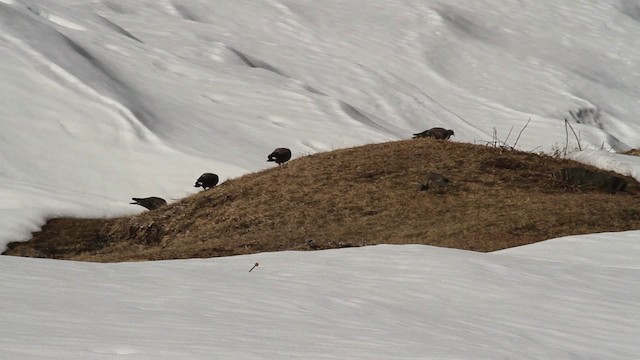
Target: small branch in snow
566, 122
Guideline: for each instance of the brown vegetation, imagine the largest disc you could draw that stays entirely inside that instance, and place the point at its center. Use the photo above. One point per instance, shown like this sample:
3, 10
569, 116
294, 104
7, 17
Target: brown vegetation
634, 152
353, 197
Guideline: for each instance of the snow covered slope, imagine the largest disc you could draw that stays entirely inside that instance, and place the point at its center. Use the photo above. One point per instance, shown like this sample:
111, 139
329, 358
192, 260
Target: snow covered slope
380, 302
105, 100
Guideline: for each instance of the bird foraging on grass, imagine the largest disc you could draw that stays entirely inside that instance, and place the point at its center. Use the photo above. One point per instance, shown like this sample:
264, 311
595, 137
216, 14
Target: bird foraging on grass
150, 203
207, 181
436, 133
280, 156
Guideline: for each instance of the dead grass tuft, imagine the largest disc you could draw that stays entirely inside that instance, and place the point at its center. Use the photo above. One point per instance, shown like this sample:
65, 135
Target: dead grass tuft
355, 197
634, 152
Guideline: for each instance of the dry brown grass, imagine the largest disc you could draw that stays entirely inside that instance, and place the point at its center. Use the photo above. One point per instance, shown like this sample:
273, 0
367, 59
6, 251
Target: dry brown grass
634, 152
354, 197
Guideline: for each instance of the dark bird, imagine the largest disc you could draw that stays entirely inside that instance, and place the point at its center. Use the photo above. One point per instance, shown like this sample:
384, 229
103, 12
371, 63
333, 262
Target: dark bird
207, 181
150, 202
280, 155
436, 133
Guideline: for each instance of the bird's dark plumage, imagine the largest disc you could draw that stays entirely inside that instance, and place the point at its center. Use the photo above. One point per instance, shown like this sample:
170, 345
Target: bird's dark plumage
280, 155
150, 203
207, 181
436, 133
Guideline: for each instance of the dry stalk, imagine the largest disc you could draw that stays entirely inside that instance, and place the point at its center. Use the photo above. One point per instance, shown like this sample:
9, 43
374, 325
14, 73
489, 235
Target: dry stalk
518, 138
508, 135
566, 122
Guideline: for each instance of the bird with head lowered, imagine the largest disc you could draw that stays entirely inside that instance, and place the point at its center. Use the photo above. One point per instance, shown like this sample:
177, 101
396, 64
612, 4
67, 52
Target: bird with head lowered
207, 181
437, 133
280, 156
150, 203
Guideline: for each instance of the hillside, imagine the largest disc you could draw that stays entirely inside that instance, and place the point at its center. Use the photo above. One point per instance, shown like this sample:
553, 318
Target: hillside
354, 197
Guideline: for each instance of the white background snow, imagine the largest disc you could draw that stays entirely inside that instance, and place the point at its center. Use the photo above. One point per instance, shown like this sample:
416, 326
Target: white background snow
104, 100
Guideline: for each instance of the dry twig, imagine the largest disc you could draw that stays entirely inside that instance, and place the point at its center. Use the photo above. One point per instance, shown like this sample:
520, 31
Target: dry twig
518, 138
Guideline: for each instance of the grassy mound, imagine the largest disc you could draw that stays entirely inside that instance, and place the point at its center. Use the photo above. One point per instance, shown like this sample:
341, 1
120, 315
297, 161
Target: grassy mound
354, 197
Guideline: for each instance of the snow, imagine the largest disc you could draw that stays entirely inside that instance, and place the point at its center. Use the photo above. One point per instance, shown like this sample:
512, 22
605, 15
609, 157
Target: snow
380, 302
106, 100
